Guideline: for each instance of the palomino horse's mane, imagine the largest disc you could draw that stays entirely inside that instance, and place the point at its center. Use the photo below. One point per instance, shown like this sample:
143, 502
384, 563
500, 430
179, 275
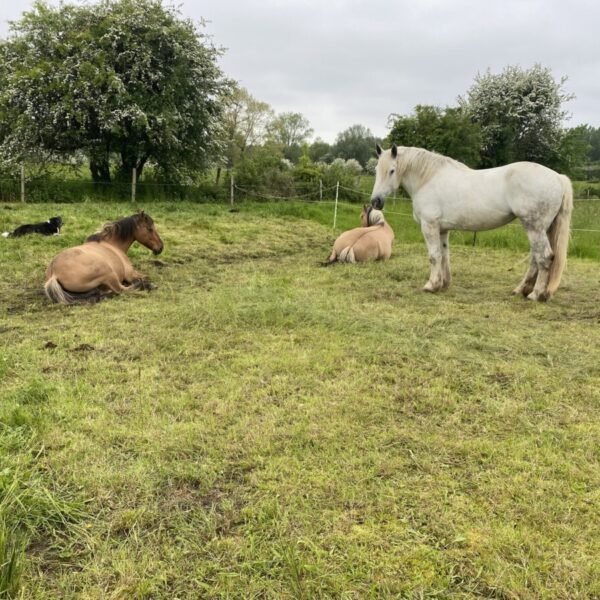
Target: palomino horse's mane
424, 163
121, 230
374, 216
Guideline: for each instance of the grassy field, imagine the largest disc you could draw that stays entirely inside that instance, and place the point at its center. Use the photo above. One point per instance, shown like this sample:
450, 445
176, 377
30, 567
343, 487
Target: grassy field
261, 427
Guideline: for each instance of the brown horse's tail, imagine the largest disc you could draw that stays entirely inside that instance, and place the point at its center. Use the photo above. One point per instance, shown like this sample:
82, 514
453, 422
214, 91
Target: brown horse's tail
57, 293
558, 234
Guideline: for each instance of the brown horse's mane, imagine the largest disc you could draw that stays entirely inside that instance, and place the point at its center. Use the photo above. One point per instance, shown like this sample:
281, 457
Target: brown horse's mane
121, 230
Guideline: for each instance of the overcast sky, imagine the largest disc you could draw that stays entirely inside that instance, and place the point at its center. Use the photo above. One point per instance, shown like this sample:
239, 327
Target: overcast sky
341, 62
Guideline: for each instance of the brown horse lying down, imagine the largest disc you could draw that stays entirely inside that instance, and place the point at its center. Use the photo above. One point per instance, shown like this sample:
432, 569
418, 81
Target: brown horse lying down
100, 267
372, 241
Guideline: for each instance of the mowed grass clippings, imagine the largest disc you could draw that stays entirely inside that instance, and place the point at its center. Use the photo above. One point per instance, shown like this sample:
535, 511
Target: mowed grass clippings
261, 426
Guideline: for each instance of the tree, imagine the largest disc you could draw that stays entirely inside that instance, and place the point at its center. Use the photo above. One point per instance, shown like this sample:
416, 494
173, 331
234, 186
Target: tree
320, 151
130, 78
290, 130
448, 131
574, 149
355, 142
520, 113
593, 139
245, 120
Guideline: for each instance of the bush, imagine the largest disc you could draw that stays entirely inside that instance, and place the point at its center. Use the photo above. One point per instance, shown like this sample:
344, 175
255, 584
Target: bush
587, 173
263, 172
371, 166
586, 189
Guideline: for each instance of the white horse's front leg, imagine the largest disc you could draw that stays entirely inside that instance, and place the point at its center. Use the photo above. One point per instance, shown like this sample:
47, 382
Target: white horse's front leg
446, 275
431, 233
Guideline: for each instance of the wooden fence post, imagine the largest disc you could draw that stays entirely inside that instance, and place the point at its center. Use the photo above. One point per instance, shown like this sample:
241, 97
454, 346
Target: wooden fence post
231, 190
320, 189
22, 183
133, 184
337, 193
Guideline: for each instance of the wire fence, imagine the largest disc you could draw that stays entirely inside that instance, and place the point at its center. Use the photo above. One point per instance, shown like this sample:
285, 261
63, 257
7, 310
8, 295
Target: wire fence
71, 191
366, 196
60, 190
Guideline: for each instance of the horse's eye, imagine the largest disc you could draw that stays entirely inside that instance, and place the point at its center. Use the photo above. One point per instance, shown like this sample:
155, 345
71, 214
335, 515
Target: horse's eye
391, 171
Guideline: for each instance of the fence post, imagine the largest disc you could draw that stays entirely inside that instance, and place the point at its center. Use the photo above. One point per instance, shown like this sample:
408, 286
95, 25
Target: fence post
133, 184
320, 189
337, 193
22, 183
231, 190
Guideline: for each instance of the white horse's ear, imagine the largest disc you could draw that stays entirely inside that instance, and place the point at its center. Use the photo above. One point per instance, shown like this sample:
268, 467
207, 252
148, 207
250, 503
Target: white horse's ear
394, 151
378, 149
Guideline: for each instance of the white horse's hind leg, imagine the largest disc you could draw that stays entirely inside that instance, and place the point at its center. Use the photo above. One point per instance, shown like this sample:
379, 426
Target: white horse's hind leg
431, 233
446, 275
542, 255
528, 281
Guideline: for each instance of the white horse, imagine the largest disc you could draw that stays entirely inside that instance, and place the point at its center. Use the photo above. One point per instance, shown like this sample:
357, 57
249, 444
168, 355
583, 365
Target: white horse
448, 195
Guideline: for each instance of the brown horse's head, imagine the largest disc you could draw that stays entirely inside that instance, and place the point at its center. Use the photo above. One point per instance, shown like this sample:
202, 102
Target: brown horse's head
145, 233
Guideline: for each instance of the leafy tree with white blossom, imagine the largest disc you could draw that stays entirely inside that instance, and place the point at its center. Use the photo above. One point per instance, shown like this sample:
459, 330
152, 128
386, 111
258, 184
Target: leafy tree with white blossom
129, 79
521, 114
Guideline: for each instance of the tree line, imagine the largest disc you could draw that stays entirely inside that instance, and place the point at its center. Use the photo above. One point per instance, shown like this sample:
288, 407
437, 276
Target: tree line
132, 84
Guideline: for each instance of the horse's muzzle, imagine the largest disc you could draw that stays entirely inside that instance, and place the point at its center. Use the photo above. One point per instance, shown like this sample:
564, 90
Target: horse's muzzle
157, 251
377, 202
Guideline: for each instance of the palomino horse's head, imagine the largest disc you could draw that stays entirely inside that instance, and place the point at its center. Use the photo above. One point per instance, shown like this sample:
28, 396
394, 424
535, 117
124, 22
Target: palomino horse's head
370, 216
386, 175
145, 233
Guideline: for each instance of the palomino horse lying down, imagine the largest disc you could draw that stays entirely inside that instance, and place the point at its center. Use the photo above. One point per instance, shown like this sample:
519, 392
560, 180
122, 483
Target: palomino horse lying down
100, 267
372, 241
448, 195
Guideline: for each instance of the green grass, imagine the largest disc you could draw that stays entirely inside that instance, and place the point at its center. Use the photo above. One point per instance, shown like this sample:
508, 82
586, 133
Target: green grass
260, 426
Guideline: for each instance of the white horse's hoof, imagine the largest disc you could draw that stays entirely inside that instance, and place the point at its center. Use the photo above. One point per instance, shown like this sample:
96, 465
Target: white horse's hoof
536, 297
524, 290
429, 287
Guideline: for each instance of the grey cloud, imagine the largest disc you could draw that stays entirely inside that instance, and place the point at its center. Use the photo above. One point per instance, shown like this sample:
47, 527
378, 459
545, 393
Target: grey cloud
356, 61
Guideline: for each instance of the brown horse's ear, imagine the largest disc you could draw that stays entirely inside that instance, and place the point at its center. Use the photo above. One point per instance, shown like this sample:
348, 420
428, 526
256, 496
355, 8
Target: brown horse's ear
394, 151
141, 213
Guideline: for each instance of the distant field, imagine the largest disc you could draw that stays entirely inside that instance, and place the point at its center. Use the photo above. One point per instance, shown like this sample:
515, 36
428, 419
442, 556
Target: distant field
262, 427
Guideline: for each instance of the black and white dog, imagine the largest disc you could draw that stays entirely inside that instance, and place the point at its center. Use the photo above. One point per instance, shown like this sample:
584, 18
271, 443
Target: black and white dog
50, 227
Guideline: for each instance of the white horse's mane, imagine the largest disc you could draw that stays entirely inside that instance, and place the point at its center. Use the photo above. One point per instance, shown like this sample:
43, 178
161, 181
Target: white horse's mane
424, 163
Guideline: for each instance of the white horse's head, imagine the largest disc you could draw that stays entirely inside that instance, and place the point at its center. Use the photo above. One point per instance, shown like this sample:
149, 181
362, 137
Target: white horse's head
386, 175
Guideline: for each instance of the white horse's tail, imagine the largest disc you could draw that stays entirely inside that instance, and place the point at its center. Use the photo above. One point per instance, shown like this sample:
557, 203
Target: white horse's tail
57, 293
558, 234
347, 255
